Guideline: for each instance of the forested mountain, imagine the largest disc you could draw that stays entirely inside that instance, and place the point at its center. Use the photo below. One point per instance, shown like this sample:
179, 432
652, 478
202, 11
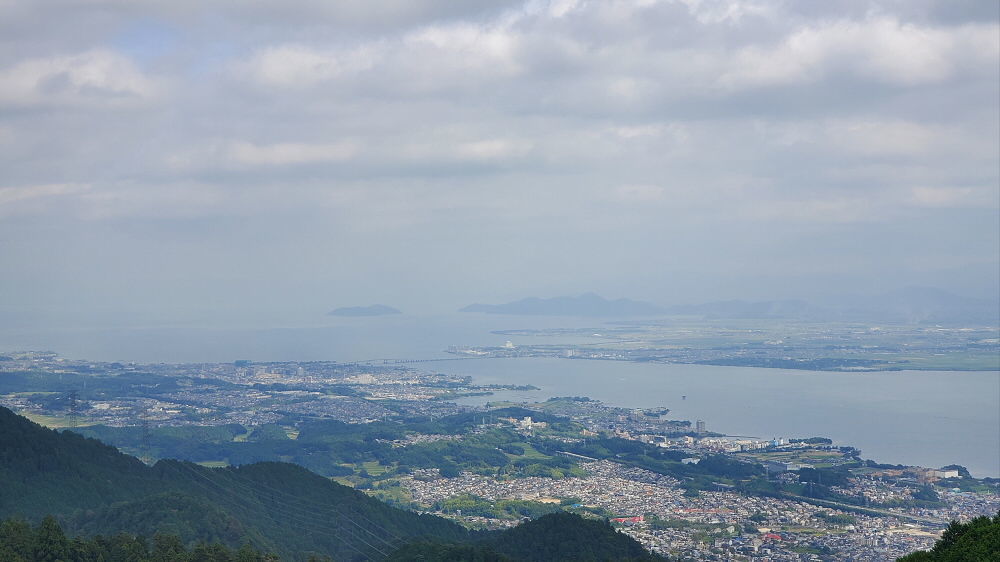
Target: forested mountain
22, 542
566, 536
553, 537
276, 507
280, 508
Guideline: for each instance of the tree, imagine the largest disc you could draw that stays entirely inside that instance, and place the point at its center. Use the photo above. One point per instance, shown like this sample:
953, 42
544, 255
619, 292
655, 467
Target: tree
167, 548
979, 539
50, 543
16, 540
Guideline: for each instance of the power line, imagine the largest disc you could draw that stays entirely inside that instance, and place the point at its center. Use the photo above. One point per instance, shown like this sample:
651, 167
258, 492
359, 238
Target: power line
144, 443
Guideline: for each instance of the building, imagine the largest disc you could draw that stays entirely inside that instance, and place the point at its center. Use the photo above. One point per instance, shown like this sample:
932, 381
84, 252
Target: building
773, 466
699, 427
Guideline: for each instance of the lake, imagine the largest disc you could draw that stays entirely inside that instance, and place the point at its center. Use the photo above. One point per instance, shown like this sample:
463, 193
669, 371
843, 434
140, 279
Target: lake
928, 418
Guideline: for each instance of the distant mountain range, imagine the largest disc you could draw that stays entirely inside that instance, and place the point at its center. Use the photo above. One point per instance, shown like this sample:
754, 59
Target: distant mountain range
371, 310
922, 305
588, 304
911, 305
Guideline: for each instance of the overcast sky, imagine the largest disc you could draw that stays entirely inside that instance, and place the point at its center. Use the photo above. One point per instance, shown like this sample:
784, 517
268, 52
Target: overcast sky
173, 159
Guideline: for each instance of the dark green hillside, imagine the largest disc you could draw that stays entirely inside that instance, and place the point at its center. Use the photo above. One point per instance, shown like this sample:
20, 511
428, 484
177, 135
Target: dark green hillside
21, 542
172, 513
566, 536
94, 490
442, 552
555, 537
279, 507
48, 472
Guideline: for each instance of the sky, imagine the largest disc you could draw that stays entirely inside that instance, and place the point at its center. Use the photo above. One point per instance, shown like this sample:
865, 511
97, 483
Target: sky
172, 161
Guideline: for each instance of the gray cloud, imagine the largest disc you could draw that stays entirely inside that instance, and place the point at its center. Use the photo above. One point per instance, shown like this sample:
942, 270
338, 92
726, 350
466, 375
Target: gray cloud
440, 152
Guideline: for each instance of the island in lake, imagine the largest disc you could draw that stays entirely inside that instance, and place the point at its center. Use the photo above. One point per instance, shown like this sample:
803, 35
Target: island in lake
371, 310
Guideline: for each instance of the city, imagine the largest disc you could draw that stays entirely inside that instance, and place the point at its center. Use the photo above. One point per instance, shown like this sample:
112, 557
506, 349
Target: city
678, 488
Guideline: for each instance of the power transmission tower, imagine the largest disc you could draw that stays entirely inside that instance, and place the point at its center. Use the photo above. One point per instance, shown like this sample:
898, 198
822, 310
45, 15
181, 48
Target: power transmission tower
144, 447
73, 409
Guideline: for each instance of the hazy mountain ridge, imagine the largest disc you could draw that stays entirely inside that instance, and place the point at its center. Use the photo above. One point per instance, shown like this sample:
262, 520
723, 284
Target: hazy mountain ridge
370, 310
911, 305
589, 304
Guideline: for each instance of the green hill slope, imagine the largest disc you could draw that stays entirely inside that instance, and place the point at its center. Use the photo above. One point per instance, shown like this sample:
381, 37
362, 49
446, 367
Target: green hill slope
93, 489
566, 536
277, 507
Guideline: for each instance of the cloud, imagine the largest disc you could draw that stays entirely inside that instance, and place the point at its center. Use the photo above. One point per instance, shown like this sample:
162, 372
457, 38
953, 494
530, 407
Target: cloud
11, 195
880, 49
249, 154
521, 135
886, 137
639, 193
240, 155
94, 77
293, 66
945, 196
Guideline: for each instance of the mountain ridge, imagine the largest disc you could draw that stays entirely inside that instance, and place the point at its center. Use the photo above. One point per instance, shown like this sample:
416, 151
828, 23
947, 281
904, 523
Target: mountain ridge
369, 310
588, 304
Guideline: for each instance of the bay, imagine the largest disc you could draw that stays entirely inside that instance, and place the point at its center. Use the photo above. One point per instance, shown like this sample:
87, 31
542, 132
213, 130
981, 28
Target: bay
926, 418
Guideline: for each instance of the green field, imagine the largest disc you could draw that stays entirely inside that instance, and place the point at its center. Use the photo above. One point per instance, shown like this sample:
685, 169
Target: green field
373, 468
530, 452
55, 422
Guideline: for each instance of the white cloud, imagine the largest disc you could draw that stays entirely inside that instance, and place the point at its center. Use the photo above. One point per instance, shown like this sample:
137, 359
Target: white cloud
945, 196
98, 76
293, 66
10, 195
638, 131
880, 49
461, 47
249, 154
241, 154
639, 193
492, 149
886, 137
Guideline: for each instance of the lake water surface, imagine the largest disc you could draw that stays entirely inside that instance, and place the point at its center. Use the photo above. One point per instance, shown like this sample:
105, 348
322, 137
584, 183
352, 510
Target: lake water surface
918, 417
928, 418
